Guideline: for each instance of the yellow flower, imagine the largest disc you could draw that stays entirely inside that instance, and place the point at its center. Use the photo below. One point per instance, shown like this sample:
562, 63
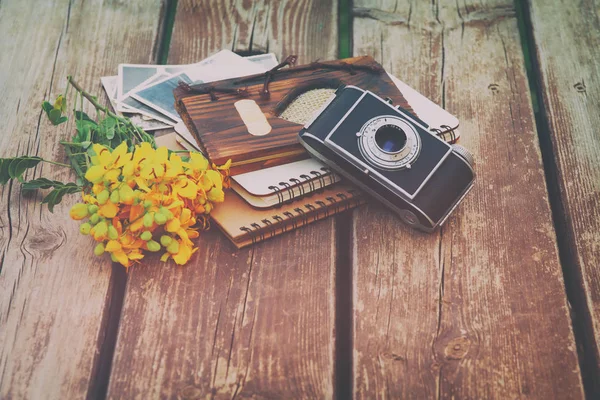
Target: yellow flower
108, 209
184, 254
198, 162
186, 188
79, 211
145, 194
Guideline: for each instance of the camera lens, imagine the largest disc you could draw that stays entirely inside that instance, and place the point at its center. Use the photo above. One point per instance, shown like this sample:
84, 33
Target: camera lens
390, 138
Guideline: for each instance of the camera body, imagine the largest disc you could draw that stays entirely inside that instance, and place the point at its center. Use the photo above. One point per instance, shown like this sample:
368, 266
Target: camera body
391, 155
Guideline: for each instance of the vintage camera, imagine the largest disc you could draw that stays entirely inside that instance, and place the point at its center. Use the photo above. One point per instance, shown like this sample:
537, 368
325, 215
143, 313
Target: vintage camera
391, 155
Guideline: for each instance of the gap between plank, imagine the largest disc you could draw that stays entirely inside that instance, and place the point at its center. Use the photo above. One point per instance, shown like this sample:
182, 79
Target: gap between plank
580, 317
107, 339
344, 307
111, 319
166, 31
344, 320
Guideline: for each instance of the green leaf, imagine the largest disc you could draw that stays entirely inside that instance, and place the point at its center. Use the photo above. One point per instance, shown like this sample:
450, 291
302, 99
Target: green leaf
84, 130
62, 119
85, 144
40, 183
107, 126
47, 107
54, 116
13, 168
55, 196
80, 115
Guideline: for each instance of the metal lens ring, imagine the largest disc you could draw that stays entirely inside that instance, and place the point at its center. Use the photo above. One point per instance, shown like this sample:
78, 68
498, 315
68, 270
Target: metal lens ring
389, 142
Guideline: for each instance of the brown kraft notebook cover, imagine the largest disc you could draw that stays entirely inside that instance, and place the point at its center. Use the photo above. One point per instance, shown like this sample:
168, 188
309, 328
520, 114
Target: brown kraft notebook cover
245, 225
209, 110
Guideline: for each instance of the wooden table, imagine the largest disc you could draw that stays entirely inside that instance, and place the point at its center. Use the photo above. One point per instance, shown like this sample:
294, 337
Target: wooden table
502, 302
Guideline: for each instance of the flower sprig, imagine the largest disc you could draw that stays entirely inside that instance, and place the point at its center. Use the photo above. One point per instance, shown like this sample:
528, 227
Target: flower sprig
135, 197
147, 199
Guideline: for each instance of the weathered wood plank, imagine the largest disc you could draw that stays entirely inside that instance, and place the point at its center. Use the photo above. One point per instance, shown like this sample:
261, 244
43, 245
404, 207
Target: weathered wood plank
249, 323
53, 291
568, 67
478, 309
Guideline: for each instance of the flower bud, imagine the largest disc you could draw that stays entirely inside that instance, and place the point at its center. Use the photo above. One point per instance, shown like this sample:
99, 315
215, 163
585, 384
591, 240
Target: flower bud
148, 220
173, 247
152, 245
85, 228
160, 219
100, 231
165, 240
92, 209
78, 211
103, 197
112, 232
94, 219
99, 249
166, 212
114, 196
126, 194
146, 235
147, 203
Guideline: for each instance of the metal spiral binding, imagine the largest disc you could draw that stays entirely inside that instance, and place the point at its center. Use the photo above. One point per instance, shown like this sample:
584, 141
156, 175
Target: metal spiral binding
277, 191
257, 227
322, 205
312, 209
343, 197
297, 182
332, 200
310, 182
310, 212
250, 232
269, 224
320, 177
290, 190
291, 218
283, 187
303, 214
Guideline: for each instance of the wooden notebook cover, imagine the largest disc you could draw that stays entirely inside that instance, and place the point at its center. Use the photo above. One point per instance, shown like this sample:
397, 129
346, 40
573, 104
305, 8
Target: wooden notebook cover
245, 225
223, 135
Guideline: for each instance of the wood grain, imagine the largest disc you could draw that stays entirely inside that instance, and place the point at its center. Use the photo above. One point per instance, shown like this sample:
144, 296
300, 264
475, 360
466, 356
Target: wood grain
251, 323
307, 28
478, 309
53, 291
568, 67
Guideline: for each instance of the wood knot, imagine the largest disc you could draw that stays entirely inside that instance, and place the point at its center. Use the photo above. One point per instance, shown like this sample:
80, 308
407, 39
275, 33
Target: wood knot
580, 86
190, 393
45, 241
457, 348
494, 88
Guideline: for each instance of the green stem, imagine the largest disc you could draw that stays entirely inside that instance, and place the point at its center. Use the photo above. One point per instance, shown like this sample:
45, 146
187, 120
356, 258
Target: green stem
57, 163
137, 131
91, 98
65, 143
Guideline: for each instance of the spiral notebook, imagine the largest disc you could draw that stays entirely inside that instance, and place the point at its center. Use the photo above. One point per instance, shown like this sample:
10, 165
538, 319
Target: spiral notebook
272, 186
245, 225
